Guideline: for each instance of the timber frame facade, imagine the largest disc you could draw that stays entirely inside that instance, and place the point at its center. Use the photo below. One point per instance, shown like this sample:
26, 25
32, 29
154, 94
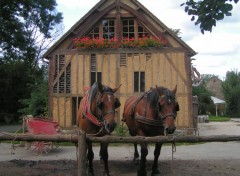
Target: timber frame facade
137, 69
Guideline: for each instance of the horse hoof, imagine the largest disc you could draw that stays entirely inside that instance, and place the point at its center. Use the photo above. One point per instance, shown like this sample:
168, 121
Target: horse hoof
106, 173
90, 173
136, 160
155, 173
142, 173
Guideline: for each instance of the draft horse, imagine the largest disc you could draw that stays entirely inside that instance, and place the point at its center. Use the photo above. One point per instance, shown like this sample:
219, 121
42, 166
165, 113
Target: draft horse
96, 116
151, 114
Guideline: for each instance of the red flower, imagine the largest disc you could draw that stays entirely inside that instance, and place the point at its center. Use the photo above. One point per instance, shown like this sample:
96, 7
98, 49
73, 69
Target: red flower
142, 42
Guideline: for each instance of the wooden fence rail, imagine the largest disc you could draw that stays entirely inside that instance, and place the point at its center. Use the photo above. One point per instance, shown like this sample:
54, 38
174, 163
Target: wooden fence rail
117, 139
81, 139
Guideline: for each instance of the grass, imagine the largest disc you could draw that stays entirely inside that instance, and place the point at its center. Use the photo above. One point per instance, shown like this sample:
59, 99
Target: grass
219, 119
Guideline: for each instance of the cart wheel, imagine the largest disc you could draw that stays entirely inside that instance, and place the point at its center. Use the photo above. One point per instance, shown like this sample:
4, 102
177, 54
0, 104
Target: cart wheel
27, 145
41, 148
55, 145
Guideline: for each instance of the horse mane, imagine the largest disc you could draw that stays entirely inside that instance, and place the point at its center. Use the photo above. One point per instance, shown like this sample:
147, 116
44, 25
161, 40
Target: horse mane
152, 96
107, 89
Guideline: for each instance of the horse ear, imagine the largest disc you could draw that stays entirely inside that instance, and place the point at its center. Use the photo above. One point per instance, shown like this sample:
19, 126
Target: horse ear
116, 89
100, 86
174, 90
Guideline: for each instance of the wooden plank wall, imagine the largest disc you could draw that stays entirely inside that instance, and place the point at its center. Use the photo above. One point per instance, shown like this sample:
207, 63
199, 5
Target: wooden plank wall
162, 69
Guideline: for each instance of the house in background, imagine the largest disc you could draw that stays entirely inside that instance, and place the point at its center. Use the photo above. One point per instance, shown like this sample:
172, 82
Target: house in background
214, 85
137, 69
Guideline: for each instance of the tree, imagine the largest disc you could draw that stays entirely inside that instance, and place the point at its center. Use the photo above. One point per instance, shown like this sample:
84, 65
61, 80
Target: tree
24, 24
27, 29
207, 12
231, 91
37, 104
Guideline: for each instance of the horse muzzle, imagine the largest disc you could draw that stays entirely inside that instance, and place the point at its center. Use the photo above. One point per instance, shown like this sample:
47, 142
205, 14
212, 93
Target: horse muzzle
169, 130
109, 127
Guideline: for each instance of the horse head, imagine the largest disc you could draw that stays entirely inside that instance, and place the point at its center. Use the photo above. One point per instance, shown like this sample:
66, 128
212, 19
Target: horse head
106, 104
168, 107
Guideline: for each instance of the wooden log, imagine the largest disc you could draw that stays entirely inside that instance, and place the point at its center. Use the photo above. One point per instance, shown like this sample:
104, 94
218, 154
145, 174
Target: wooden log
82, 154
38, 137
117, 139
165, 139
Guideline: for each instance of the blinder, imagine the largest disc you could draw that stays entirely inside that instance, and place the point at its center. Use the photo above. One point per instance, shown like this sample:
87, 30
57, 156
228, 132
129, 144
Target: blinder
100, 105
117, 103
177, 107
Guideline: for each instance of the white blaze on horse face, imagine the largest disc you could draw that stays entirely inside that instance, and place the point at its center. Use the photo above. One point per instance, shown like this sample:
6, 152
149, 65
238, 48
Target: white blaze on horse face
109, 98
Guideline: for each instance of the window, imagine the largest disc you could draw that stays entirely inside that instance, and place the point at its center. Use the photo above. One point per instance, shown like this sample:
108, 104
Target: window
108, 27
142, 32
128, 28
96, 76
94, 33
63, 82
131, 29
105, 29
139, 81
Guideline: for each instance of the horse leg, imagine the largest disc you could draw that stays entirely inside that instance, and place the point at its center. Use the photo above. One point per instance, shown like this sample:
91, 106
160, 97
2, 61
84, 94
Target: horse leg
90, 156
155, 171
144, 152
136, 154
104, 155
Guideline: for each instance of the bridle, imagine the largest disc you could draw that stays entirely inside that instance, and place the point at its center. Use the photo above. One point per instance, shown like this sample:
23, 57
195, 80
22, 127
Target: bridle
99, 111
170, 96
99, 115
167, 115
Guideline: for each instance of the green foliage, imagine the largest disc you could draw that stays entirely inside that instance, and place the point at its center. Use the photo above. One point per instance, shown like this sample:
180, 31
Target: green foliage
37, 104
207, 12
121, 130
205, 103
15, 76
231, 91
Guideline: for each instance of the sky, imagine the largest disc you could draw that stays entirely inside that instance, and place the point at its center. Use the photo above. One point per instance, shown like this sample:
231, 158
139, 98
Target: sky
217, 52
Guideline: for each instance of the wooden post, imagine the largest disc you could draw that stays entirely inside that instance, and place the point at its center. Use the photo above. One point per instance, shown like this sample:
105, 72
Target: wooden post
82, 148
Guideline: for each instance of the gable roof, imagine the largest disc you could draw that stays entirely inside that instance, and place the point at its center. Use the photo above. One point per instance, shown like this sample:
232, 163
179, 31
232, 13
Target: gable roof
114, 4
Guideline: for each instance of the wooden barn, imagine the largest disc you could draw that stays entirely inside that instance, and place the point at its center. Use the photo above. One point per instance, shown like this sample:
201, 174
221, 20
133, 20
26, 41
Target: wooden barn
137, 68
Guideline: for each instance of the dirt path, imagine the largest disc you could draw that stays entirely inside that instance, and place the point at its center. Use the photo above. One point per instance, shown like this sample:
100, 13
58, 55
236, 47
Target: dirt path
215, 159
122, 168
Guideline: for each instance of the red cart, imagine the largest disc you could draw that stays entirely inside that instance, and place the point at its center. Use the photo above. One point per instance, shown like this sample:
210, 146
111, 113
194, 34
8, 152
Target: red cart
36, 125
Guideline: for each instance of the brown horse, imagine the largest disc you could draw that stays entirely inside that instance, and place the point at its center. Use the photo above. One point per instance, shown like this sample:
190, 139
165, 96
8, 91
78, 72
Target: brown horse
151, 114
96, 116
